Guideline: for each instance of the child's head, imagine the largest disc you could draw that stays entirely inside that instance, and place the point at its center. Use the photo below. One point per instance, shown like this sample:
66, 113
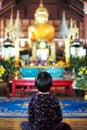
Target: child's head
43, 81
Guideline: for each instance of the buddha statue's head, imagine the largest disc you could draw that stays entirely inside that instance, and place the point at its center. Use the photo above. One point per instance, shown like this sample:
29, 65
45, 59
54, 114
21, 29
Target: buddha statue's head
41, 14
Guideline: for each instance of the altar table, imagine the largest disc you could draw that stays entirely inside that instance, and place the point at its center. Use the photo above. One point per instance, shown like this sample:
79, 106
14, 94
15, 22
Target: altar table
28, 85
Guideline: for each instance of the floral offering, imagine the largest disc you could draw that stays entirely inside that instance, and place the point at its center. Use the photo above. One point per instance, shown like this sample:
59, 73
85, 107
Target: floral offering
7, 69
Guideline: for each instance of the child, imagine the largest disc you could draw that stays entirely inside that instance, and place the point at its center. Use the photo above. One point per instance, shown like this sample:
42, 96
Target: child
44, 108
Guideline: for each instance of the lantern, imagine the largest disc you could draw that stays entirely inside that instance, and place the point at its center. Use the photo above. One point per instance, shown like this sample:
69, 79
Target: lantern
8, 48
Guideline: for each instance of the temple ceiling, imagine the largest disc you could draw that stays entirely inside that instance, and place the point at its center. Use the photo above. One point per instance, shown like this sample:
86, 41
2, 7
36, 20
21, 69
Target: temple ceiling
55, 7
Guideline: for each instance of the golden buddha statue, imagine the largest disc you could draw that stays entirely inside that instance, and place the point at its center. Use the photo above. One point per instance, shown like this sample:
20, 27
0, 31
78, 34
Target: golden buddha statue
41, 29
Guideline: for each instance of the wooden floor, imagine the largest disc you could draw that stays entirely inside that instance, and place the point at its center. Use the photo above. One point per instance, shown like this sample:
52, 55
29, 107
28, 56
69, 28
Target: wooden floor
14, 123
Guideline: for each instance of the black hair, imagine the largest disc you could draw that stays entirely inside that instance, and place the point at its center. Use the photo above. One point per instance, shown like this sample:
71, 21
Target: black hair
43, 81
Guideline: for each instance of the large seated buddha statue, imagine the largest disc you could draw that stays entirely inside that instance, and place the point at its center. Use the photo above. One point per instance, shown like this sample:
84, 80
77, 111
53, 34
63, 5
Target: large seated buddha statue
41, 28
42, 31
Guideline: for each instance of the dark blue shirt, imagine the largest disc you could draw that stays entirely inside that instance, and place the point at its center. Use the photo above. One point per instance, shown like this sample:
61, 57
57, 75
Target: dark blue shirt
44, 111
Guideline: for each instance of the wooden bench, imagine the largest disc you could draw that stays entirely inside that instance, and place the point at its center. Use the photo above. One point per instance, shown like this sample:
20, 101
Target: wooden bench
28, 85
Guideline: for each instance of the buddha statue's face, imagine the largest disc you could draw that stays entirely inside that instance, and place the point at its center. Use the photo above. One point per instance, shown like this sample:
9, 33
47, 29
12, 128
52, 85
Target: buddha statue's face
41, 17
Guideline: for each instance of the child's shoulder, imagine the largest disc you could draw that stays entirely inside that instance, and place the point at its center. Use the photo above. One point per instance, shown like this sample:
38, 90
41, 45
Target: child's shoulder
33, 96
54, 96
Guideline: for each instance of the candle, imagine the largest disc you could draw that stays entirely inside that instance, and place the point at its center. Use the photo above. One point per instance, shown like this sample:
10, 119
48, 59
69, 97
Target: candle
17, 49
67, 50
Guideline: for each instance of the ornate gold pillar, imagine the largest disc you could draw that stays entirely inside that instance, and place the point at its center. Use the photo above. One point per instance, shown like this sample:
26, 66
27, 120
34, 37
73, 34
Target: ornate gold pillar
17, 55
67, 50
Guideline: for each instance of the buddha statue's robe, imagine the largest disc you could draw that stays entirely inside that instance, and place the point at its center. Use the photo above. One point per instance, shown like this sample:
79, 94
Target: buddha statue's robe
41, 31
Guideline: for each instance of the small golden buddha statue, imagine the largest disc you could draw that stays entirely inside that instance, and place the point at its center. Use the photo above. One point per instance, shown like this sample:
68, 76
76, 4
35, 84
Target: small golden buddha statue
41, 29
